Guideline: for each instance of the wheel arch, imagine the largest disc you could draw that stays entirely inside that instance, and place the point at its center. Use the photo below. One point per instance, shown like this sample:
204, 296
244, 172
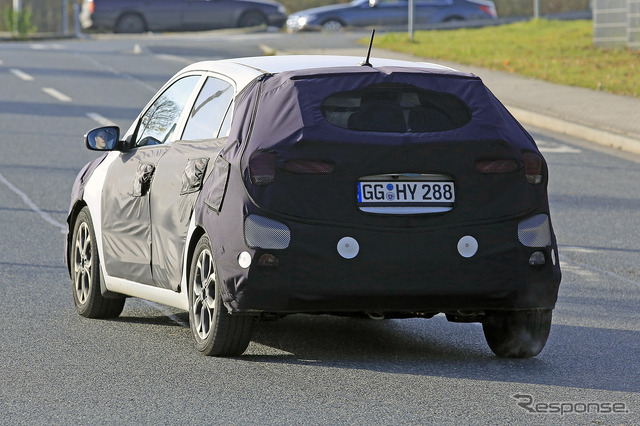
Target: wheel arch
198, 232
71, 221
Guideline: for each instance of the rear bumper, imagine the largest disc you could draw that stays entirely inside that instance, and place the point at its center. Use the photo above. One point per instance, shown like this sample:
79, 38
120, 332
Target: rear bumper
394, 271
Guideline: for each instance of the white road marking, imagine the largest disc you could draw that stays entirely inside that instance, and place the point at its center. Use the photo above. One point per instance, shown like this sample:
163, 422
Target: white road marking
40, 46
100, 119
559, 150
56, 94
578, 249
174, 58
44, 215
114, 71
21, 74
547, 147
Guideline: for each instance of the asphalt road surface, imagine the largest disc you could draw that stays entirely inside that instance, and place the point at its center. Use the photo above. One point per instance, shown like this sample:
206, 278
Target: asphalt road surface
60, 368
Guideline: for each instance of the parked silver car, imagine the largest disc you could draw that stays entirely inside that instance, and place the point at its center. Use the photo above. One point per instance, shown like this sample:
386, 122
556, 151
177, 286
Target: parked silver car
364, 13
136, 16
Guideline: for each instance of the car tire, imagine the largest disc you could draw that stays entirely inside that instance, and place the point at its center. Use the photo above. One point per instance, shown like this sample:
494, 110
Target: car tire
85, 273
216, 332
517, 334
130, 23
251, 19
332, 26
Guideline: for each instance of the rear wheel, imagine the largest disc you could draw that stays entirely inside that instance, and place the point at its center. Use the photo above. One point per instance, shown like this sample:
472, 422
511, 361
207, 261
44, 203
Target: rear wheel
332, 25
130, 23
216, 332
85, 271
517, 334
251, 19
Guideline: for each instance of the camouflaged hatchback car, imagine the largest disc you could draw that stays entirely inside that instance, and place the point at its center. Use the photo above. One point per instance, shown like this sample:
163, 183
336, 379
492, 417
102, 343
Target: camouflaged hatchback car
278, 185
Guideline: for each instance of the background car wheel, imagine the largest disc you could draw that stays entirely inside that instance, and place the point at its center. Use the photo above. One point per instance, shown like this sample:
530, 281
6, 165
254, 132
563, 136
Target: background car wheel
130, 23
332, 25
252, 19
216, 332
85, 271
517, 334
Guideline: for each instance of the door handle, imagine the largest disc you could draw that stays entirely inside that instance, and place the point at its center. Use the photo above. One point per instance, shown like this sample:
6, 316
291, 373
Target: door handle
142, 179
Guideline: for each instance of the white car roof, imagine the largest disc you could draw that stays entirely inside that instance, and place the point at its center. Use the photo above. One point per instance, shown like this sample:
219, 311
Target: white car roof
245, 70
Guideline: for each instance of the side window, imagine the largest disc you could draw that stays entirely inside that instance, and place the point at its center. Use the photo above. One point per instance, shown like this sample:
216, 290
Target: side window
226, 124
157, 125
209, 110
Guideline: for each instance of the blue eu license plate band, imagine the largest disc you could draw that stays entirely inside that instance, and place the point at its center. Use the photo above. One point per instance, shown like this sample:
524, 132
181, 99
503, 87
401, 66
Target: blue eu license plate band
405, 194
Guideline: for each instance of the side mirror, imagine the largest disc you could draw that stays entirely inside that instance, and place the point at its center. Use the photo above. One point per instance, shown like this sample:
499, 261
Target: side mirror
373, 3
103, 138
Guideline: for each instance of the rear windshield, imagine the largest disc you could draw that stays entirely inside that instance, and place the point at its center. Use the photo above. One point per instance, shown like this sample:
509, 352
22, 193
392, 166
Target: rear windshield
395, 109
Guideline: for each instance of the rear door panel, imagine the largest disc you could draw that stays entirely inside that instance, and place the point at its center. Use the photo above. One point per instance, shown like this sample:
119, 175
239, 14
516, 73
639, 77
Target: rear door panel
175, 189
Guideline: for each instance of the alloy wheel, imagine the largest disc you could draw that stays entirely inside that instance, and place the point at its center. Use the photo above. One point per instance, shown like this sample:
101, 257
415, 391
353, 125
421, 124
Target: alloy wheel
82, 263
204, 294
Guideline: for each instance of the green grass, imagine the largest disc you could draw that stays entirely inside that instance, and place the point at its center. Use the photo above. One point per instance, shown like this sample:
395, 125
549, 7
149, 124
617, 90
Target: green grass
557, 51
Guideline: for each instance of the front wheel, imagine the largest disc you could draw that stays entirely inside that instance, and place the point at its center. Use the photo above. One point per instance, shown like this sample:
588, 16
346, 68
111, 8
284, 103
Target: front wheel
130, 23
85, 273
216, 332
517, 334
332, 26
252, 19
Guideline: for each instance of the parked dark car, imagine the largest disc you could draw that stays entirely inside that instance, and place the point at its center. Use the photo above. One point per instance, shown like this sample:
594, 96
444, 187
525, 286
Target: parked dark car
136, 16
259, 187
364, 13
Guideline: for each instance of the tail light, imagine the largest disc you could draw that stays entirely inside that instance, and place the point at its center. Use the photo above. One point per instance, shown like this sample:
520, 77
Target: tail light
263, 165
488, 9
532, 167
504, 165
91, 6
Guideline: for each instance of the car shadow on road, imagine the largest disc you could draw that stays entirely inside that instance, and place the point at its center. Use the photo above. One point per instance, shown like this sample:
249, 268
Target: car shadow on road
130, 316
582, 357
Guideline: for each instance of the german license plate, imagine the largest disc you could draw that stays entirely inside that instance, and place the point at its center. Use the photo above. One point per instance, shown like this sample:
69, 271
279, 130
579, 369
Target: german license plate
402, 194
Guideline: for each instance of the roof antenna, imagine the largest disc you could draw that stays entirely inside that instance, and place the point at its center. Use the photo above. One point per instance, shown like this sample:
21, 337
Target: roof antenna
366, 62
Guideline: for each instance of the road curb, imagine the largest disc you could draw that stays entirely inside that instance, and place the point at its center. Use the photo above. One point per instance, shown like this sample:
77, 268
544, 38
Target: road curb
591, 134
